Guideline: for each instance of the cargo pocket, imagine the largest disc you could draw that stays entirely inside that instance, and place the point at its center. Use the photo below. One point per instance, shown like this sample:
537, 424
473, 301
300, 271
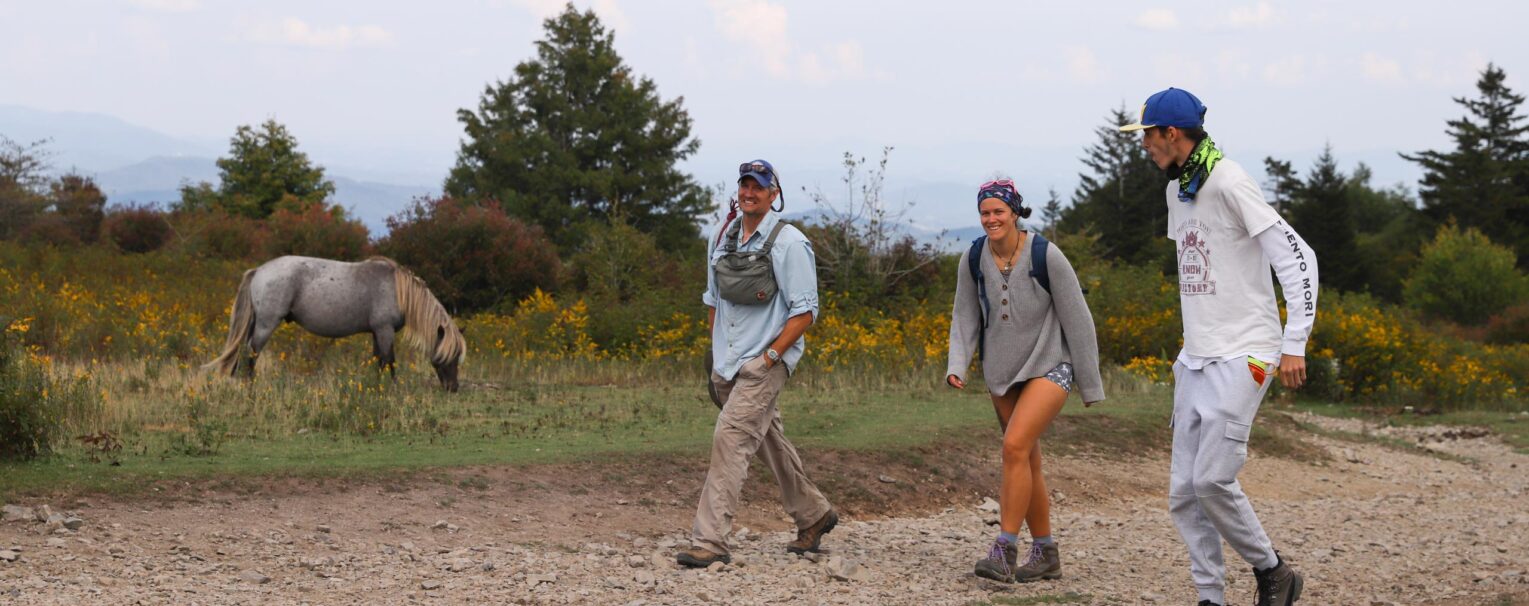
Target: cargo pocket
1239, 432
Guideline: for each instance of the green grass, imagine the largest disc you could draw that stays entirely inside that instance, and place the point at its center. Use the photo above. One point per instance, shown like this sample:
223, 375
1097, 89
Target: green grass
574, 418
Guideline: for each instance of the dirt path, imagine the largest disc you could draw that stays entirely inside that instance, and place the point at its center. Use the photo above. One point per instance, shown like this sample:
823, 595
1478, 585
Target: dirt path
1374, 525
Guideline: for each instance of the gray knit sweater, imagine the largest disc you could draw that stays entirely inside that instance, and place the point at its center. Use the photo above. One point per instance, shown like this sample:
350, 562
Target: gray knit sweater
1029, 332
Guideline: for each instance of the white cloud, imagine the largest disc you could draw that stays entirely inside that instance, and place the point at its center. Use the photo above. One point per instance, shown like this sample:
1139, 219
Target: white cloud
1290, 71
1083, 65
759, 25
851, 58
1377, 68
1258, 15
542, 8
611, 14
296, 32
1158, 19
609, 11
760, 29
168, 6
1231, 65
811, 69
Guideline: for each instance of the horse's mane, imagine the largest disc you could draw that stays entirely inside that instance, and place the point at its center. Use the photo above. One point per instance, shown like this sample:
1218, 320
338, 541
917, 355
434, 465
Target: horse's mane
422, 315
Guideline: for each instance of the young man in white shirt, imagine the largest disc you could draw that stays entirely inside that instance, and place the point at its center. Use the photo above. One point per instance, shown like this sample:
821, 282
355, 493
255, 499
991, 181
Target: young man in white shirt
1227, 239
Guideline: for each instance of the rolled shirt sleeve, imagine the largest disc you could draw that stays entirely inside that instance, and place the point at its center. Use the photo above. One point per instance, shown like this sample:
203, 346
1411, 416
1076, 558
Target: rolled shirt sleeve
797, 274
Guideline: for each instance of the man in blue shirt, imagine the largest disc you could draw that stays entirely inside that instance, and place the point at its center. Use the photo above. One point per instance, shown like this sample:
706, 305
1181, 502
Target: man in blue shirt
755, 347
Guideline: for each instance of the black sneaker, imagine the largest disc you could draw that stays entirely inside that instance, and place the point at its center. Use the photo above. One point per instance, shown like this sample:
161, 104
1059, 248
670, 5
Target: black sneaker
1278, 586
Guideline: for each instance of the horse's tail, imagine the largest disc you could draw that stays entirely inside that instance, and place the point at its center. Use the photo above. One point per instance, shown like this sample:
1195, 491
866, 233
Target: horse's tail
427, 326
240, 325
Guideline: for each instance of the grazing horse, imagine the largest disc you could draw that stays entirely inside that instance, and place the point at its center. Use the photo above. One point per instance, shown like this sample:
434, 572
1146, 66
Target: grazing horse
338, 299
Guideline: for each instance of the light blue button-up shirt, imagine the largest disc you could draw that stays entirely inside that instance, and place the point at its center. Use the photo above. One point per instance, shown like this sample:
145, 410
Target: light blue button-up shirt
743, 332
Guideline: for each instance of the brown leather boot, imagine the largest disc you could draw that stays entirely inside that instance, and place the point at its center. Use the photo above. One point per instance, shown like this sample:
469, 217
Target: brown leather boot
700, 557
808, 539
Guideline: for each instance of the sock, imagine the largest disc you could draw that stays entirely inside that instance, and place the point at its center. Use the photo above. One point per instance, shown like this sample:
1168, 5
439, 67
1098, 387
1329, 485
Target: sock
1009, 537
1046, 540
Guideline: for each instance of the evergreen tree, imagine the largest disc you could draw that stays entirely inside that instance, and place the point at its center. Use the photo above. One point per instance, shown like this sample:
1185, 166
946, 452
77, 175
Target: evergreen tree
1051, 213
575, 136
262, 172
1484, 181
1122, 199
1322, 211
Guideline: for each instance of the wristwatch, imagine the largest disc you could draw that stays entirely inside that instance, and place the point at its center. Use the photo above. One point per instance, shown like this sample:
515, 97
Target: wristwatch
774, 357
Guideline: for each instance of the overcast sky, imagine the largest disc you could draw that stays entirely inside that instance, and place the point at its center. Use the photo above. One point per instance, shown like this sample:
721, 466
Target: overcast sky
963, 88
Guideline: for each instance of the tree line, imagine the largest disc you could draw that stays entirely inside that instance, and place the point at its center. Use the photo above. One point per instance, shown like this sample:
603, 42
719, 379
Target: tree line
567, 177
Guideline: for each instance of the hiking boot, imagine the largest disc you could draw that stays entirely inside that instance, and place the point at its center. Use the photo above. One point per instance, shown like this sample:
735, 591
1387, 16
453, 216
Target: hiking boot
1278, 586
999, 565
808, 539
1208, 603
700, 557
1044, 562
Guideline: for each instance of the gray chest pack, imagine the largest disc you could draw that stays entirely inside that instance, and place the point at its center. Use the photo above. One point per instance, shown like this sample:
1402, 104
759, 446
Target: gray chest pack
746, 278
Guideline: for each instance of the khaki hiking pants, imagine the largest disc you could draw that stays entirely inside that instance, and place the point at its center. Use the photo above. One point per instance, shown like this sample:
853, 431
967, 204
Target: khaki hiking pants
750, 424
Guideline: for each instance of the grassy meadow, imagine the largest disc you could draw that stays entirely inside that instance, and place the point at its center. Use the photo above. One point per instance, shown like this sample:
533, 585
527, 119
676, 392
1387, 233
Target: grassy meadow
103, 351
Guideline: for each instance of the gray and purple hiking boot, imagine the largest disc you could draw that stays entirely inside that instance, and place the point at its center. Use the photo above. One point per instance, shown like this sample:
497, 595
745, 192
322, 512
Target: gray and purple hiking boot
1044, 562
999, 565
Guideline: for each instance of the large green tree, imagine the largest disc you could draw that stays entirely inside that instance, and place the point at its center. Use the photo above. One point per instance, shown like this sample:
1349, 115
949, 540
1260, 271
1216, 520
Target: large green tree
262, 172
1484, 181
1121, 198
1321, 209
574, 136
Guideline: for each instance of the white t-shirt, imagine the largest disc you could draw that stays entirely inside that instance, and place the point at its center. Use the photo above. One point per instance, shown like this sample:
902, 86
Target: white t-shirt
1225, 284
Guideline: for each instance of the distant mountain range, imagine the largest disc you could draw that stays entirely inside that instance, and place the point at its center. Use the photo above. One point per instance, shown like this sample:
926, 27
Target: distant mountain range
133, 164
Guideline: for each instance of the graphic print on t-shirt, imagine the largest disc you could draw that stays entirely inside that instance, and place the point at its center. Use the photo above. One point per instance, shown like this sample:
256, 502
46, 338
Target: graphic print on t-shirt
1194, 260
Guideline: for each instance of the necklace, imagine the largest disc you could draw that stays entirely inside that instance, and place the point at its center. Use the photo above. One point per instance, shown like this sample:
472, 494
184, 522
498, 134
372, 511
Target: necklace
1008, 265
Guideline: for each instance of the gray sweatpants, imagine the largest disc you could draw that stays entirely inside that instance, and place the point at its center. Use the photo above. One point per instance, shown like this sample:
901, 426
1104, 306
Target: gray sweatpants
1213, 410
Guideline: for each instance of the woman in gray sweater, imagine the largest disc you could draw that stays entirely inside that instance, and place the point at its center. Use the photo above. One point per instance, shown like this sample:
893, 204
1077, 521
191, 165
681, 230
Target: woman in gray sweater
1036, 342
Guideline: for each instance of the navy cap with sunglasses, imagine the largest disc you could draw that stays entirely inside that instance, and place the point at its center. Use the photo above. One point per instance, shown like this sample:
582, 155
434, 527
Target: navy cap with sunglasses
762, 172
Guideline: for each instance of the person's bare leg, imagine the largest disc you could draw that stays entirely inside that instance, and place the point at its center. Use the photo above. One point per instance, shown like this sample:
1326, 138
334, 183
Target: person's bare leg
1039, 403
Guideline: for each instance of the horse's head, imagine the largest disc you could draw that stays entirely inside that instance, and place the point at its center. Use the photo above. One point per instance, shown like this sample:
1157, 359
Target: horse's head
447, 369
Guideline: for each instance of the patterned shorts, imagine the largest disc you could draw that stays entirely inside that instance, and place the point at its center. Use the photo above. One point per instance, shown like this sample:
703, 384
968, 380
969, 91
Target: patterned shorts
1062, 376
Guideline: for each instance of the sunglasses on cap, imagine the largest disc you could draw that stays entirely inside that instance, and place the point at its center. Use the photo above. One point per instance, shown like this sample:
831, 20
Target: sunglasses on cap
761, 167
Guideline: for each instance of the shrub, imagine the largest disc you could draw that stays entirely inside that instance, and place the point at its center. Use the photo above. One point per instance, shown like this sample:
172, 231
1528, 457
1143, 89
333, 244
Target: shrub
1464, 277
630, 284
1136, 312
27, 425
473, 256
315, 230
1509, 327
220, 235
137, 229
33, 403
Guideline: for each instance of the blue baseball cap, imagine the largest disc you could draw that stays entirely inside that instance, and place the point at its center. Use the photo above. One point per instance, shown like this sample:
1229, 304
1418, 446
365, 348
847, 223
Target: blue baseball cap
1173, 107
762, 172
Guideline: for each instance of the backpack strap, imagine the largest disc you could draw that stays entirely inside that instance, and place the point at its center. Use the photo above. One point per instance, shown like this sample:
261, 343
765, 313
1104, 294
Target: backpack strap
734, 233
974, 265
1038, 268
770, 241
